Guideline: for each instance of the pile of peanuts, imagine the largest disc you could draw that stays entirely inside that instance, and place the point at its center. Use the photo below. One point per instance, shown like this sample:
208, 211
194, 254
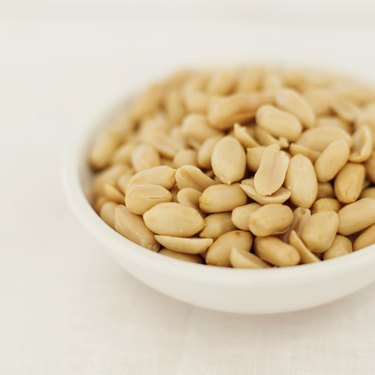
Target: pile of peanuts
252, 167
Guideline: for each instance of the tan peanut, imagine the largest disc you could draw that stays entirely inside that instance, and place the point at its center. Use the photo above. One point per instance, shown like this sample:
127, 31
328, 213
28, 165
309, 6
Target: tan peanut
185, 157
222, 83
349, 181
173, 219
344, 109
162, 175
331, 121
148, 102
274, 251
205, 152
143, 197
98, 203
241, 215
144, 157
319, 100
242, 134
228, 160
318, 138
113, 194
240, 258
253, 157
174, 106
218, 254
216, 225
249, 80
270, 220
357, 216
191, 258
122, 155
366, 238
189, 176
301, 181
190, 245
368, 193
272, 170
279, 196
362, 145
103, 149
195, 127
294, 103
320, 231
325, 190
223, 113
123, 182
331, 160
221, 198
295, 149
196, 101
266, 139
108, 175
300, 218
340, 246
306, 255
278, 123
133, 228
326, 204
189, 197
107, 213
370, 167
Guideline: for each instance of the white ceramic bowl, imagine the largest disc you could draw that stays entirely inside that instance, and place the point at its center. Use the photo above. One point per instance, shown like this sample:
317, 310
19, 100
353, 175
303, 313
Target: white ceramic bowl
232, 290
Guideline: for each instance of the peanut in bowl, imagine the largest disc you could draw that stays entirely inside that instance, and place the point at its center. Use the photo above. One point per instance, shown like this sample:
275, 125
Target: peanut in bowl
250, 176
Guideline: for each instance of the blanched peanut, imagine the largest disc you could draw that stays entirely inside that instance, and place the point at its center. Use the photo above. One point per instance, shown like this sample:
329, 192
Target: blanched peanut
254, 155
366, 238
228, 160
340, 246
270, 220
189, 176
349, 181
216, 225
221, 198
357, 216
189, 197
191, 258
133, 228
163, 175
320, 231
145, 196
173, 219
301, 181
276, 252
241, 215
107, 213
185, 245
326, 204
368, 193
325, 190
272, 170
240, 258
331, 160
292, 102
370, 167
279, 196
278, 123
218, 253
306, 255
224, 112
185, 157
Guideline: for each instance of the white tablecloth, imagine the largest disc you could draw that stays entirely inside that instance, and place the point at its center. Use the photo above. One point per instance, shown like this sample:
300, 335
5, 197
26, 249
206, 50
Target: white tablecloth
66, 307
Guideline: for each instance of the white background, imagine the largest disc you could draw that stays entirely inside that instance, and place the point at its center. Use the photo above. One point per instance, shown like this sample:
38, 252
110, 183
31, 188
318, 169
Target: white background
66, 307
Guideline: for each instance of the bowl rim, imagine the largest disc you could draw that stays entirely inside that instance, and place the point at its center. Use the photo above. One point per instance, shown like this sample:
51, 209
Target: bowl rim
75, 157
